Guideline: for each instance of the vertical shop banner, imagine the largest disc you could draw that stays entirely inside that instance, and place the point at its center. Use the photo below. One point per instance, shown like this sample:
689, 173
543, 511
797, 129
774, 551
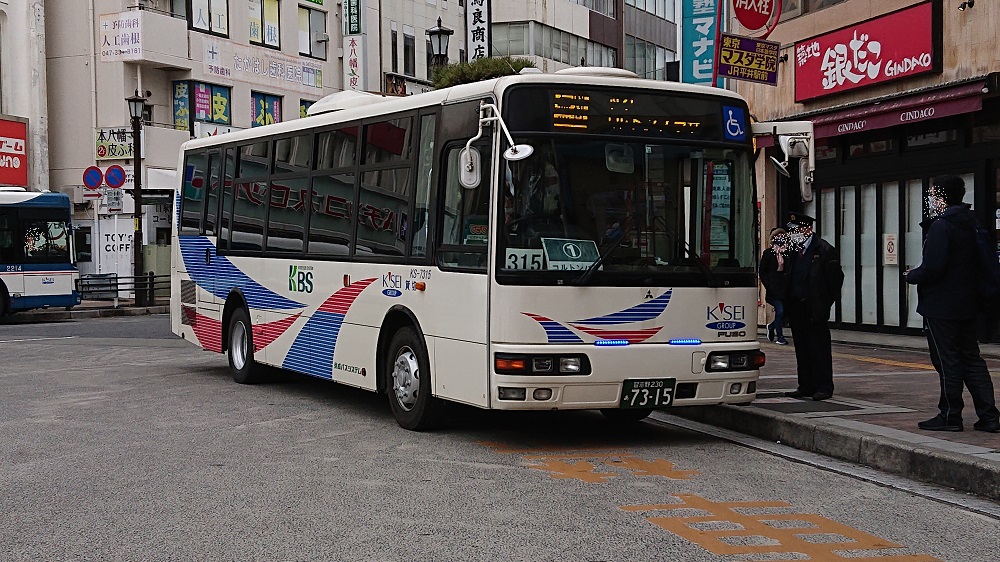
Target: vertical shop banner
477, 25
221, 112
354, 75
898, 45
698, 40
266, 109
13, 152
182, 106
202, 102
744, 58
121, 36
352, 17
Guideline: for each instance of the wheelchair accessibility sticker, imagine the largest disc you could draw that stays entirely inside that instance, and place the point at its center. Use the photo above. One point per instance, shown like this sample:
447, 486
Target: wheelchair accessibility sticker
734, 123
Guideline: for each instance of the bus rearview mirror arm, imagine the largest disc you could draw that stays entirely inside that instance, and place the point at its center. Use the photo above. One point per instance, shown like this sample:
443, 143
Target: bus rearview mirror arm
488, 113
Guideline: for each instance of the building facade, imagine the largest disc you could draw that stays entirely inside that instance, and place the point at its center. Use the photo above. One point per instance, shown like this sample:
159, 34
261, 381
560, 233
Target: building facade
24, 123
206, 67
899, 92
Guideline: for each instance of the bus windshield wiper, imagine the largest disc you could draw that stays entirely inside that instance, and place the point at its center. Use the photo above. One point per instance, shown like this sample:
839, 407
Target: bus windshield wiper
707, 271
583, 278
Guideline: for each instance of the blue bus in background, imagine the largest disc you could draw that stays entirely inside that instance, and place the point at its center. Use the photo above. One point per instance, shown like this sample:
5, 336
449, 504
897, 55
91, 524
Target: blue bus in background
37, 268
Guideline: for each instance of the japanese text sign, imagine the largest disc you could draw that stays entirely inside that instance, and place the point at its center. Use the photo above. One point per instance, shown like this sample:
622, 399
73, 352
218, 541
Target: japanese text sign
354, 63
899, 45
352, 17
749, 59
260, 65
13, 152
115, 143
477, 25
121, 36
698, 40
182, 106
753, 14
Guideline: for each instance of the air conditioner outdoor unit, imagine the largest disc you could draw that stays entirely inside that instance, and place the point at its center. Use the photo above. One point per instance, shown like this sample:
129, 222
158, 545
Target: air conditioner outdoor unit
321, 37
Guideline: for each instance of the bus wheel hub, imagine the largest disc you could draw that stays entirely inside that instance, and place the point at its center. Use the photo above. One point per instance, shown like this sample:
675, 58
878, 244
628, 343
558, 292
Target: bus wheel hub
406, 378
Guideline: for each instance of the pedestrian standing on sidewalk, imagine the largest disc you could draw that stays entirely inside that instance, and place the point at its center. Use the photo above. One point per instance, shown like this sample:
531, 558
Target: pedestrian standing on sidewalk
947, 299
773, 275
814, 284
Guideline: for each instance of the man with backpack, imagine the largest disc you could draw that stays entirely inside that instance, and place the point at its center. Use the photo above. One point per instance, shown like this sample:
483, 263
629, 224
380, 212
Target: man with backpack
949, 296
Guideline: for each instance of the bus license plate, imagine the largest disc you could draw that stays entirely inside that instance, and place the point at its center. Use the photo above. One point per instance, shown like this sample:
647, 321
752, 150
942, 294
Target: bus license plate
647, 393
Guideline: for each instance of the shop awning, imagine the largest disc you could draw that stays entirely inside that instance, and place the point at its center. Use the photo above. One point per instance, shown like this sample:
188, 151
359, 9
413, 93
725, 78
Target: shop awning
935, 104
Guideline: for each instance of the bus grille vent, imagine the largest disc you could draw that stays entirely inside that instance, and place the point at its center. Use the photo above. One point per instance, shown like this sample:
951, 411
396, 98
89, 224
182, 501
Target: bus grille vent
189, 292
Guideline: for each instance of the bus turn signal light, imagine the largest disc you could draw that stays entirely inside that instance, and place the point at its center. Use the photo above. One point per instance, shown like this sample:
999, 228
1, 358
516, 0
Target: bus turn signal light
420, 285
504, 364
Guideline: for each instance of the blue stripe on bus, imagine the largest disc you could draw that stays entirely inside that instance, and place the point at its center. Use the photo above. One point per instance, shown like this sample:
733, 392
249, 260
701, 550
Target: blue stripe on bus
638, 313
312, 351
557, 333
41, 200
43, 301
222, 276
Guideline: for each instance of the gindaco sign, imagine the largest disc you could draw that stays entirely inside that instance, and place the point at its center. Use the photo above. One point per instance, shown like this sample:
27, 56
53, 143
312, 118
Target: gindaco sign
898, 45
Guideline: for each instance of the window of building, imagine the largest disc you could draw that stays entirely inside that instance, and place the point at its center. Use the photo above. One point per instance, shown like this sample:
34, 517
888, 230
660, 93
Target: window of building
266, 109
394, 48
514, 39
606, 7
211, 16
178, 8
646, 59
312, 33
659, 8
264, 25
409, 52
82, 241
793, 8
304, 106
200, 102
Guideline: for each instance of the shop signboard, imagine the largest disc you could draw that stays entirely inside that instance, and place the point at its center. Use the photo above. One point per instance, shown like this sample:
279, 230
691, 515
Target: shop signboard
896, 46
745, 58
13, 151
477, 25
753, 14
121, 36
698, 19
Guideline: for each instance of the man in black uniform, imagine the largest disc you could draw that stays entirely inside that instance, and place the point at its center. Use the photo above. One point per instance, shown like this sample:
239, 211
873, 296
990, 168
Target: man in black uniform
814, 284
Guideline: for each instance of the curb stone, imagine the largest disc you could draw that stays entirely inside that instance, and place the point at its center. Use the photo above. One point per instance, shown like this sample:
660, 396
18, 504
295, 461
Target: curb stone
916, 461
32, 316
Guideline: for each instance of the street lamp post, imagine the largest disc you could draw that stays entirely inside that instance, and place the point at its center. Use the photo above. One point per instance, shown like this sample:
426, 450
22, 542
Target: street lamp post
439, 36
136, 105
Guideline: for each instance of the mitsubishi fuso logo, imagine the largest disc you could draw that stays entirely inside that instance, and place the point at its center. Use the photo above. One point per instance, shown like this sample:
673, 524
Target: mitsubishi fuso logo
572, 251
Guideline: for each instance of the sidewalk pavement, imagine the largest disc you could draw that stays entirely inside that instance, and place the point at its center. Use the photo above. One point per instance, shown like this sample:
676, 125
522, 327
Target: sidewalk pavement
872, 418
87, 309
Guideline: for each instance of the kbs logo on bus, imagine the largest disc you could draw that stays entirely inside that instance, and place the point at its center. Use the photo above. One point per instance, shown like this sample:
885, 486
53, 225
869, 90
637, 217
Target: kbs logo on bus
300, 279
727, 319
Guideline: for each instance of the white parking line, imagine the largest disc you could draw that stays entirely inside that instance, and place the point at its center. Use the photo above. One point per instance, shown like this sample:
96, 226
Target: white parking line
38, 339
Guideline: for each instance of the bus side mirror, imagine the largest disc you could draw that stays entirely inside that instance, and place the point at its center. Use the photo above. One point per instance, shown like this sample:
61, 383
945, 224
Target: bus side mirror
469, 164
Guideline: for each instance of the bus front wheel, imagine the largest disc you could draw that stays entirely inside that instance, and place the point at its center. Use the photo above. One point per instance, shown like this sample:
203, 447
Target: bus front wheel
245, 369
616, 415
409, 382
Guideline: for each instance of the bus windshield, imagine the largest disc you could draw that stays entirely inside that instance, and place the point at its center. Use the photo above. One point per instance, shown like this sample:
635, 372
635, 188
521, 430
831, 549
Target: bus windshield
605, 210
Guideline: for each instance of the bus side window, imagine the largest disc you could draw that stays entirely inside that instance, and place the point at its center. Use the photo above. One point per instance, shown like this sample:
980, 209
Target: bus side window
212, 195
8, 250
425, 169
465, 221
226, 214
193, 193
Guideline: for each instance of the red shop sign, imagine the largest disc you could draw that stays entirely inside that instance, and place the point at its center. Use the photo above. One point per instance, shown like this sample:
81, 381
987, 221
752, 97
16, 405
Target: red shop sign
13, 152
898, 45
754, 14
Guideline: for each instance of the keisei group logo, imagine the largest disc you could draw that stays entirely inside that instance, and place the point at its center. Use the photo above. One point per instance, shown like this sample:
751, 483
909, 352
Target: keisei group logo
727, 319
300, 279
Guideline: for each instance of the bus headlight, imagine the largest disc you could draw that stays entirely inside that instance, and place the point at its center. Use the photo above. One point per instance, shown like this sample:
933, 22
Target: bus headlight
735, 360
541, 364
569, 365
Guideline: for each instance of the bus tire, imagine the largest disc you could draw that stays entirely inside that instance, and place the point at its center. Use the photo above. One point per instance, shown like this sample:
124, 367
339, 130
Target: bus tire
408, 382
245, 369
625, 416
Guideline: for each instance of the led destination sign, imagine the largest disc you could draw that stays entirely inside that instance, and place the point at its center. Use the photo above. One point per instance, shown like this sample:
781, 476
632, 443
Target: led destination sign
614, 112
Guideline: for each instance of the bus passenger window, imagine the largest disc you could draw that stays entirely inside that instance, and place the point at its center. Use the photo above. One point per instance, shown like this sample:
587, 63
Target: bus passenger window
193, 193
425, 168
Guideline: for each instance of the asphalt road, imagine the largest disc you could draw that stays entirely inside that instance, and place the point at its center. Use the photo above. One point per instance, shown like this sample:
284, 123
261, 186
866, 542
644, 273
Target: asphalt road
120, 442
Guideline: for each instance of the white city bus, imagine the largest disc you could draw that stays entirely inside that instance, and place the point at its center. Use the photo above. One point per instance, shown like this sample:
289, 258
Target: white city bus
577, 240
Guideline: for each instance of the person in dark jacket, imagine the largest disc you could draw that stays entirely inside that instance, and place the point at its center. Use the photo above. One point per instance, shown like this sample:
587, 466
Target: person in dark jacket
814, 284
947, 299
773, 274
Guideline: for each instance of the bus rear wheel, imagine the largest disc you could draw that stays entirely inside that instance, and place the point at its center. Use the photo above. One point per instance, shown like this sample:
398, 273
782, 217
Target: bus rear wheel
623, 416
245, 369
408, 381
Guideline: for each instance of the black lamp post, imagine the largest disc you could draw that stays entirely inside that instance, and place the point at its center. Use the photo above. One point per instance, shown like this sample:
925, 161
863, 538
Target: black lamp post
136, 106
439, 36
